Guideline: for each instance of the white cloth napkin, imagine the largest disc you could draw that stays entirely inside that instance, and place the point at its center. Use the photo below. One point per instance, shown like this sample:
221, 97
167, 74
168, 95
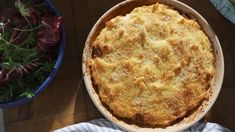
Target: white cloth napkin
226, 8
103, 125
97, 125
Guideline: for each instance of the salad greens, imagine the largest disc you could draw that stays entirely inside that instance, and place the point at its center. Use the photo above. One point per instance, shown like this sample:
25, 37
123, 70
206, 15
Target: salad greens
29, 39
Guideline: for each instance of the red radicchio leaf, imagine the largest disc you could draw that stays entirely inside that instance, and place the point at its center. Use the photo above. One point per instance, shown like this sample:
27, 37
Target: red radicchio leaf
12, 18
2, 77
34, 17
18, 37
20, 71
11, 13
49, 37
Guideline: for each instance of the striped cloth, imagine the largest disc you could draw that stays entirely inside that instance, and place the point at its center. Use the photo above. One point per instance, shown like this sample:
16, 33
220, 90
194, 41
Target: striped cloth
103, 125
226, 8
97, 125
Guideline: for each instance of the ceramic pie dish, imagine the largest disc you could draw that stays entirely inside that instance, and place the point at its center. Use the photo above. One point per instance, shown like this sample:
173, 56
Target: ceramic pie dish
125, 8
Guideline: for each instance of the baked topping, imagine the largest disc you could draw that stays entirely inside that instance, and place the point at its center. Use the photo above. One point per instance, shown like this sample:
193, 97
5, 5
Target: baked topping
152, 65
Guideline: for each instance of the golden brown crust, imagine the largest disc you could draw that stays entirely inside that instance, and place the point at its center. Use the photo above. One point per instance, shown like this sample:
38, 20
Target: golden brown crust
152, 65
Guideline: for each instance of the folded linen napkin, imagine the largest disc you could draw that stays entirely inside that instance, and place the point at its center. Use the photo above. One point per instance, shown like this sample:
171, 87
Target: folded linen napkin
226, 8
103, 125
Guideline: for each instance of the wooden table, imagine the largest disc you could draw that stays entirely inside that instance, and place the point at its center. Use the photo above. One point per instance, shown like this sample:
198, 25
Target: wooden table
66, 101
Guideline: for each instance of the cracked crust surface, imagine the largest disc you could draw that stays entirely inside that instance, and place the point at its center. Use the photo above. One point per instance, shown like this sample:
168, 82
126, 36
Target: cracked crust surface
153, 65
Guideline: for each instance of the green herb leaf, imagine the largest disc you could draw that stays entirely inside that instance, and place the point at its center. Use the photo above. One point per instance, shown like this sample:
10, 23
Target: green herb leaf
24, 11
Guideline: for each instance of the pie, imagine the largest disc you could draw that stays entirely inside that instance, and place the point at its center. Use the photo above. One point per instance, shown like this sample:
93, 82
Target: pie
152, 66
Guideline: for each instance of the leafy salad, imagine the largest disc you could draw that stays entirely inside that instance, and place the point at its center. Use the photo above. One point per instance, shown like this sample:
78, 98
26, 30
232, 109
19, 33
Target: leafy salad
29, 41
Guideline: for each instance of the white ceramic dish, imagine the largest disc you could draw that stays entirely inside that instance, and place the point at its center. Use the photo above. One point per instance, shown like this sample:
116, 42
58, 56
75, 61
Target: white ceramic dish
125, 8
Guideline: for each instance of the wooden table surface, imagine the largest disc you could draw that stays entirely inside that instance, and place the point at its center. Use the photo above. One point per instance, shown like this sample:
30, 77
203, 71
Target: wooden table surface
66, 101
